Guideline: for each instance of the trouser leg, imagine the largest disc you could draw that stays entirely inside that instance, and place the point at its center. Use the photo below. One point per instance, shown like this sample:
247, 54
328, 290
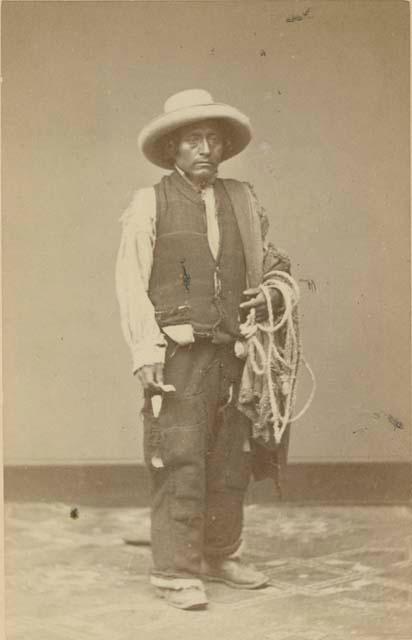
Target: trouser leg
179, 489
228, 475
178, 494
197, 498
176, 525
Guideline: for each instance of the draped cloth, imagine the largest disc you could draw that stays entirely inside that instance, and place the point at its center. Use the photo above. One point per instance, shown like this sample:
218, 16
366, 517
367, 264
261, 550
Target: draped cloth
270, 457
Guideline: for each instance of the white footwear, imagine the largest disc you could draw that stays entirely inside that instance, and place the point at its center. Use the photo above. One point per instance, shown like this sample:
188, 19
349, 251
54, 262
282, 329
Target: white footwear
182, 593
188, 598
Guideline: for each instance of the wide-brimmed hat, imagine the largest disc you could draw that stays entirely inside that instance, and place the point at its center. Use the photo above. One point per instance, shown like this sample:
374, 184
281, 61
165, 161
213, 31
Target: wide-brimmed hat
188, 107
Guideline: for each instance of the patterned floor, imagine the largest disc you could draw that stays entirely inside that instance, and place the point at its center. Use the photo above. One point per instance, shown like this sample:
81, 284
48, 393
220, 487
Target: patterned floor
336, 573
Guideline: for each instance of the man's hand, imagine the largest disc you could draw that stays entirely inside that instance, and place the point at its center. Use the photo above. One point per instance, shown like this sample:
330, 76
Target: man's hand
151, 376
258, 302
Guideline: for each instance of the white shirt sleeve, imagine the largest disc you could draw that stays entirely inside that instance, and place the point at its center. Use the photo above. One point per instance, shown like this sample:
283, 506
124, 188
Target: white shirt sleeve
133, 269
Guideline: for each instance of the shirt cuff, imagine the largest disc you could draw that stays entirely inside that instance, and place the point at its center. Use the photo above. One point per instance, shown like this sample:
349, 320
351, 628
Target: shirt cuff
148, 355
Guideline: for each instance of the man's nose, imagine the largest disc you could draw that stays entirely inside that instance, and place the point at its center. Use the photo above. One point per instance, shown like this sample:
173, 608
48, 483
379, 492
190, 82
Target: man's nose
204, 147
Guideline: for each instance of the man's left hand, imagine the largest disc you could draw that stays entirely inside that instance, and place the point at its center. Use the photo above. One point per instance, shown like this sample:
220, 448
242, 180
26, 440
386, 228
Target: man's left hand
258, 302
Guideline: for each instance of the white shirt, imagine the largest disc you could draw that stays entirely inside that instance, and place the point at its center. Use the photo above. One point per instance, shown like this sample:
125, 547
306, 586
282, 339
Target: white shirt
208, 196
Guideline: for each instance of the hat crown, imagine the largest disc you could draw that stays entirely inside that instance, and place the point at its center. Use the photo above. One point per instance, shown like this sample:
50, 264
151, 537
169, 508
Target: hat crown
187, 98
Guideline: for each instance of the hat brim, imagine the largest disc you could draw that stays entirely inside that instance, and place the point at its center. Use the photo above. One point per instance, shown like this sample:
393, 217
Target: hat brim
237, 125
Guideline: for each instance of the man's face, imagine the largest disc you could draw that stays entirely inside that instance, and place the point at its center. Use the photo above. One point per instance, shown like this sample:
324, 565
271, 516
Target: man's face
199, 150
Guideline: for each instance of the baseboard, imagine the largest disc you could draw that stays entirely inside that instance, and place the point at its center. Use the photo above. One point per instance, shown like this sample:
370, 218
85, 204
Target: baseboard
128, 485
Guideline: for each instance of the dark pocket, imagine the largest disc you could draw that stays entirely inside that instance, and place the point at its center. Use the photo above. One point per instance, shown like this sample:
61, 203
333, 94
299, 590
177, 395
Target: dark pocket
183, 444
183, 452
180, 410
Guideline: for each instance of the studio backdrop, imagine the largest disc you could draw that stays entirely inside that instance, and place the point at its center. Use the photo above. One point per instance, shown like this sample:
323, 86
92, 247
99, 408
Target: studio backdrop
326, 86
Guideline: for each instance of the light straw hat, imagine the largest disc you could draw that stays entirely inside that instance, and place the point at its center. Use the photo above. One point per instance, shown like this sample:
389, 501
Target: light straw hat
188, 107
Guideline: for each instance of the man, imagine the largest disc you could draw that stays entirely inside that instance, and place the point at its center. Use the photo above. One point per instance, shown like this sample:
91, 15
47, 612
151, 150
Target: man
191, 260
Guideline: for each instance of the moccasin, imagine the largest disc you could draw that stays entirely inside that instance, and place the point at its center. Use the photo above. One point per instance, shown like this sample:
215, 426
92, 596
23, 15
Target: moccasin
188, 598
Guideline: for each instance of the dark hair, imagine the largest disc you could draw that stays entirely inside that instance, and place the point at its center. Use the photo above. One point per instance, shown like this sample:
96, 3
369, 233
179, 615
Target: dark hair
169, 144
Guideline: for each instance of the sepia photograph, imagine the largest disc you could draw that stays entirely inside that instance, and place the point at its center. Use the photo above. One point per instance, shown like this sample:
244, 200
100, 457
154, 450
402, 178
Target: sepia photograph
206, 319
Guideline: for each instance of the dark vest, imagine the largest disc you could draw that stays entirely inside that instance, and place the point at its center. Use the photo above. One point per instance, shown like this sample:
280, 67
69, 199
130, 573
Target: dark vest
187, 285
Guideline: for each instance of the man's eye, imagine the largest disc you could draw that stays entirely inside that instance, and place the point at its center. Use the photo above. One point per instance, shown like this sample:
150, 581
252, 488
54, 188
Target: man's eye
193, 139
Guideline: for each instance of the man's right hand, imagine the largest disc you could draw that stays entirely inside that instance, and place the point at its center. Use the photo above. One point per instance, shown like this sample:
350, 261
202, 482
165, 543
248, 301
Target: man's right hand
151, 377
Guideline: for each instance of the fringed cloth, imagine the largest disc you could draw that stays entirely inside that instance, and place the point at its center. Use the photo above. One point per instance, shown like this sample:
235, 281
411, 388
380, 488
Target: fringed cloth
273, 353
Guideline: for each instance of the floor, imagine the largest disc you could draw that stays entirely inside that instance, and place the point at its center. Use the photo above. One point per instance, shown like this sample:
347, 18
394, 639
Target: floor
336, 573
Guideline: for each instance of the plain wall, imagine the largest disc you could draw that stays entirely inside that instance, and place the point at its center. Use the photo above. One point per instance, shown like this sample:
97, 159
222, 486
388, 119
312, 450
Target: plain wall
328, 96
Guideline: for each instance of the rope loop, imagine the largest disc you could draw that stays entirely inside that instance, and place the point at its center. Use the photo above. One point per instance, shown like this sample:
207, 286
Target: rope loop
278, 364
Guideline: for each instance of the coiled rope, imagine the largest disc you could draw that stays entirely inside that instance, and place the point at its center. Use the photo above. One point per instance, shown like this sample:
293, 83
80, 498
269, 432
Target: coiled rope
278, 364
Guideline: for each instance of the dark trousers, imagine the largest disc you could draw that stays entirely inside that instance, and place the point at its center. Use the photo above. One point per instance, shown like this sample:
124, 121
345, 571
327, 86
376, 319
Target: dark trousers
202, 439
